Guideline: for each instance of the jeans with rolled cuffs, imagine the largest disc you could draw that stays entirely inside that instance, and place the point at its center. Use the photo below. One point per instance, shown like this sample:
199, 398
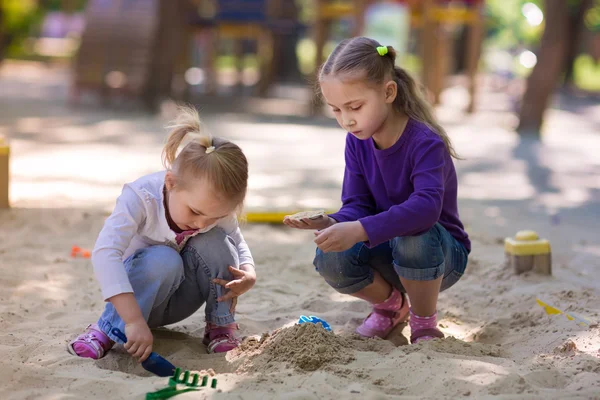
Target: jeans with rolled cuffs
170, 286
424, 257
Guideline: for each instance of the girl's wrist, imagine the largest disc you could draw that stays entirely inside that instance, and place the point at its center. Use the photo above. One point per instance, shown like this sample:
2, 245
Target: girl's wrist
361, 234
249, 268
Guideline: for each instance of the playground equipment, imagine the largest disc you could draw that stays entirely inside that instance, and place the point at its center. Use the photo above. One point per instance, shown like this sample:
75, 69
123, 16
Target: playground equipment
239, 21
127, 49
435, 18
137, 47
432, 20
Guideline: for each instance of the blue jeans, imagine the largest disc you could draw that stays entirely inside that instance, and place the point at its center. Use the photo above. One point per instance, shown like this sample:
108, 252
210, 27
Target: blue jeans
170, 286
417, 258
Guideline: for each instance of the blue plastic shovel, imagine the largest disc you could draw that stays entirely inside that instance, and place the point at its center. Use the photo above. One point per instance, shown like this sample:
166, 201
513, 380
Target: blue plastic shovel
154, 363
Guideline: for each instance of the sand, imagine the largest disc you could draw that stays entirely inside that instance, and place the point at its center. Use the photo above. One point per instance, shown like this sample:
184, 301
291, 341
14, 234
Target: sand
500, 343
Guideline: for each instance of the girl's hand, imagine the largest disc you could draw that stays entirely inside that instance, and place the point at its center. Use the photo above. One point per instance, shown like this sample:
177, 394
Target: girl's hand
139, 339
243, 280
322, 222
340, 237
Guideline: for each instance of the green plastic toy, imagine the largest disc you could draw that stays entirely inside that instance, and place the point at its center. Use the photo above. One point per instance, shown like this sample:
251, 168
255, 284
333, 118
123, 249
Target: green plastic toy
181, 379
168, 392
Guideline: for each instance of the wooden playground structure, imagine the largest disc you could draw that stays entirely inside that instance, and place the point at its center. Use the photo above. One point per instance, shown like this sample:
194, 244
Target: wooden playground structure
137, 47
430, 19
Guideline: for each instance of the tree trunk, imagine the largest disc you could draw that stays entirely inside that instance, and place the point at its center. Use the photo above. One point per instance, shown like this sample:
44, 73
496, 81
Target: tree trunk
546, 73
285, 64
169, 43
577, 28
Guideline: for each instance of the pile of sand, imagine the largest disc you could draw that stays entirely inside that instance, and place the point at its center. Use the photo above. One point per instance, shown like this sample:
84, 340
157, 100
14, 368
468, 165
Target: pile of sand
305, 347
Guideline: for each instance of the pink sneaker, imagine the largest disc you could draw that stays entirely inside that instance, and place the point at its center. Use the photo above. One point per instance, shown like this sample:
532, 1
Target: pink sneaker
92, 343
220, 339
380, 322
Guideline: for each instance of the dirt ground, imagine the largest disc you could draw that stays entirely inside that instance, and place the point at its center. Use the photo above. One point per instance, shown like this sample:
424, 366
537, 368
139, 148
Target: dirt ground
68, 165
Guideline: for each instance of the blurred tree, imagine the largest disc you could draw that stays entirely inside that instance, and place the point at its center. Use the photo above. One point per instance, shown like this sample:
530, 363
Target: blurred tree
286, 68
577, 31
558, 37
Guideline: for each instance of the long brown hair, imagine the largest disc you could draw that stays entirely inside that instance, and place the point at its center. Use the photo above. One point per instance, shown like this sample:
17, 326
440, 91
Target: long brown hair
218, 160
358, 57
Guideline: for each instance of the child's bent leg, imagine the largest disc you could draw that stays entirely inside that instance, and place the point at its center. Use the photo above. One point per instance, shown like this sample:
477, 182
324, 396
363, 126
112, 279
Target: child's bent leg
367, 274
349, 272
155, 273
208, 256
425, 264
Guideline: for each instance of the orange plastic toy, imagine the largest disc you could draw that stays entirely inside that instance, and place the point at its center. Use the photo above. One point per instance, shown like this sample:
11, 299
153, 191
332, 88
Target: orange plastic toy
78, 251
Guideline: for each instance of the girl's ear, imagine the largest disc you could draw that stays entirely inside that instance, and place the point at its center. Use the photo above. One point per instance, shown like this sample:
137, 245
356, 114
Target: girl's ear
391, 91
170, 180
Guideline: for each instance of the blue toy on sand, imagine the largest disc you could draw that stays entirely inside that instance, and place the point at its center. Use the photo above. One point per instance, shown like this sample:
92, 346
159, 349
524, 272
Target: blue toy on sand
154, 363
314, 320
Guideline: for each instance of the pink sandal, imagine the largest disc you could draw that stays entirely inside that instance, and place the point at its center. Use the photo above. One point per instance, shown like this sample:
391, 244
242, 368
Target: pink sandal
92, 343
426, 334
220, 339
371, 328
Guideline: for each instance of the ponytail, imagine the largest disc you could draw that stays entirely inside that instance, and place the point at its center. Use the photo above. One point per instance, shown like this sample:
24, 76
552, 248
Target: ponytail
186, 125
411, 101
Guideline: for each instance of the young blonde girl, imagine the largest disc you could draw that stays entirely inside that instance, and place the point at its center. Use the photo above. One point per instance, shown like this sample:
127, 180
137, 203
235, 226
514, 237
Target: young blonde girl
398, 231
173, 244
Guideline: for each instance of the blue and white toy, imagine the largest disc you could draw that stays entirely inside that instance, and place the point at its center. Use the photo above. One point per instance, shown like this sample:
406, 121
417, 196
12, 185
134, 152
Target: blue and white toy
314, 320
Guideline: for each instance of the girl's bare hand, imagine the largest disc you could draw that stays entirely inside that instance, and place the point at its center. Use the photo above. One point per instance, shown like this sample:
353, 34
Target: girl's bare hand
139, 339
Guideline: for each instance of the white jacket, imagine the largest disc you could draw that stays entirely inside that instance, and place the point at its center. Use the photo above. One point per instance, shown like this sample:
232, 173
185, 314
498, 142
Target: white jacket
139, 221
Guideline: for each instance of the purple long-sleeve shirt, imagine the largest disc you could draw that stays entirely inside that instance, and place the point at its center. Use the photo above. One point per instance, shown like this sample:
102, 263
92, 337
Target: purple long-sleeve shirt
402, 190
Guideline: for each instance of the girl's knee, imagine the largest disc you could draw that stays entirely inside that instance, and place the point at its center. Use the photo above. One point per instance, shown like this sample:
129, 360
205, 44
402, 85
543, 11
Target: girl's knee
329, 264
214, 250
160, 263
215, 240
418, 252
345, 271
335, 265
323, 261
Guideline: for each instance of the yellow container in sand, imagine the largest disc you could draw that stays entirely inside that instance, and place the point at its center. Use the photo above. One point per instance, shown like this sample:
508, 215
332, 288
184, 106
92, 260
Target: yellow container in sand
527, 252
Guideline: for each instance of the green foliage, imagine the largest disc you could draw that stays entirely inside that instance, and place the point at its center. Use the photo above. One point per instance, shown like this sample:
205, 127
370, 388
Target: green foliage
18, 19
592, 17
21, 19
507, 27
587, 73
18, 15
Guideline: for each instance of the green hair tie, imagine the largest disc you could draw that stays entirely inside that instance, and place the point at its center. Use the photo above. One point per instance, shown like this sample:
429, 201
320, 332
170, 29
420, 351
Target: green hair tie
382, 50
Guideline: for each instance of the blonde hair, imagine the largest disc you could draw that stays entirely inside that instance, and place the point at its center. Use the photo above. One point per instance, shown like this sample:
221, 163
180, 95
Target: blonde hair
218, 160
359, 55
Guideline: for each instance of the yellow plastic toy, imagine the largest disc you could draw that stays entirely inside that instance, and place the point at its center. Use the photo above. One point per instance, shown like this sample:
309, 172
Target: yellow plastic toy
527, 252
